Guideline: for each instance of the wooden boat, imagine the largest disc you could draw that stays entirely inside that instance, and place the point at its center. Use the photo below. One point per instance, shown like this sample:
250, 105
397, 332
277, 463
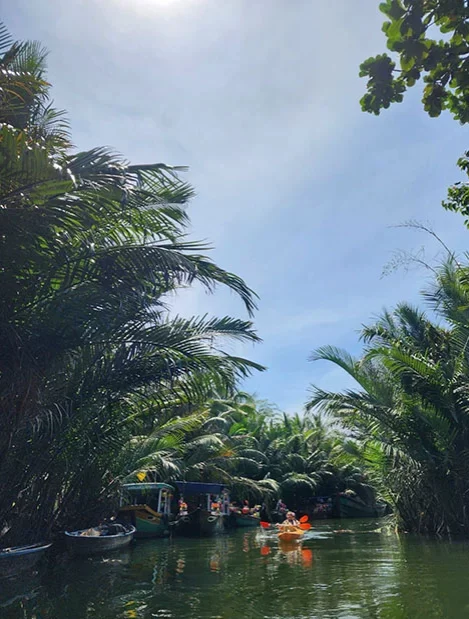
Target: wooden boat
199, 522
290, 534
19, 559
319, 507
246, 520
202, 518
354, 507
381, 509
147, 506
98, 540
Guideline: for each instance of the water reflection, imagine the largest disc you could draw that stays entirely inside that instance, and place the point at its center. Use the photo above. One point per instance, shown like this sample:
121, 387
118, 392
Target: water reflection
291, 553
18, 594
358, 573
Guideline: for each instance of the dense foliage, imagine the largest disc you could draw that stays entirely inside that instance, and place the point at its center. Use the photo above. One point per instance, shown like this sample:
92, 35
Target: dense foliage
409, 414
259, 452
411, 30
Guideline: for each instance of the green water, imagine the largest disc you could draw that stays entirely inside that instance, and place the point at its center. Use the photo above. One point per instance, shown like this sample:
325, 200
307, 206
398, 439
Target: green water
246, 574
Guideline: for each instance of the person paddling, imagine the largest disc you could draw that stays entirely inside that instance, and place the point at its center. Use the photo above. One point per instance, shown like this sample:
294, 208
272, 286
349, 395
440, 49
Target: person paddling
291, 520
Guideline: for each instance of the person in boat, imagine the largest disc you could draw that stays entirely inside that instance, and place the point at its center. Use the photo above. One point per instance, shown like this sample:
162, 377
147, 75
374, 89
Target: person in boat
281, 508
245, 509
182, 507
225, 502
291, 520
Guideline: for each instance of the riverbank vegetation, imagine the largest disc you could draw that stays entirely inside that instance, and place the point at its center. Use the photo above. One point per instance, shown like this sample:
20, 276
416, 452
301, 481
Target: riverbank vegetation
409, 413
260, 453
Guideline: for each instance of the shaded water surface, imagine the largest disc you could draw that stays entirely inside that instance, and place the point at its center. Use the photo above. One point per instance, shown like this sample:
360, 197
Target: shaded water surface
362, 574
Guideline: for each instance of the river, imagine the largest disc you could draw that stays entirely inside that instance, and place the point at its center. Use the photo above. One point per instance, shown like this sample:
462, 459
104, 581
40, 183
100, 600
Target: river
244, 574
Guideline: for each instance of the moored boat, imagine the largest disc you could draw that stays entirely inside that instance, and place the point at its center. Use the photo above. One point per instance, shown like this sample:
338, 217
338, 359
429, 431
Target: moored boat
147, 506
353, 507
246, 520
99, 540
319, 507
206, 510
199, 522
381, 509
18, 559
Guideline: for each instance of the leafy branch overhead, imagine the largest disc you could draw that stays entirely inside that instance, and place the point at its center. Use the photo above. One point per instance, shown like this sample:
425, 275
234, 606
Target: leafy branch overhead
430, 42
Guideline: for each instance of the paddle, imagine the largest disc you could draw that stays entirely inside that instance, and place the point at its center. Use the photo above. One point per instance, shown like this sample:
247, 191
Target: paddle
304, 518
303, 524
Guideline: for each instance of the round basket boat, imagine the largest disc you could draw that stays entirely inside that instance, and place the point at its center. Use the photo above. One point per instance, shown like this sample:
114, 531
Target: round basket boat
99, 540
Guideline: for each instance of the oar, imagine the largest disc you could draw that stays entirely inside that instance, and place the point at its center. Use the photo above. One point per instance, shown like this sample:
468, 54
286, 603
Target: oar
304, 518
303, 524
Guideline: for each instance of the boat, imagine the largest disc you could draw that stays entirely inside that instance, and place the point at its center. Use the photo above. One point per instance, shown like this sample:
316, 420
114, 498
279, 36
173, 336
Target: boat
381, 509
246, 520
242, 517
19, 559
98, 540
290, 534
147, 506
319, 507
353, 507
206, 511
199, 522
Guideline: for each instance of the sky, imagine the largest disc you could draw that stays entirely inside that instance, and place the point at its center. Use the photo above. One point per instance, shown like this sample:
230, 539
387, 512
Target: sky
298, 191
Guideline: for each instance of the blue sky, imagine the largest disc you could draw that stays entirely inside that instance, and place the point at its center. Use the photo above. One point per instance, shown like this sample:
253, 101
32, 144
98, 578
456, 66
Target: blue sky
297, 189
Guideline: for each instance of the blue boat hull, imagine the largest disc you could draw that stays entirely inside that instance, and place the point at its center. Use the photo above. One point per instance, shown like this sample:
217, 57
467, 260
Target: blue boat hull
20, 559
246, 521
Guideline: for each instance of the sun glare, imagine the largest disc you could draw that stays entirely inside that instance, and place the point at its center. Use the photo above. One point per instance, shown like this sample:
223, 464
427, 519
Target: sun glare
160, 6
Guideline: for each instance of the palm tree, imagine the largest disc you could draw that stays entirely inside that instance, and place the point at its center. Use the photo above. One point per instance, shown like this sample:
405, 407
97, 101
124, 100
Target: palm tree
409, 414
295, 457
94, 249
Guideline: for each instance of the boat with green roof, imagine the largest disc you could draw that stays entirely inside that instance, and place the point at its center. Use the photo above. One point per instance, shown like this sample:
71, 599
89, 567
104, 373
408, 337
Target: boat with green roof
147, 506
